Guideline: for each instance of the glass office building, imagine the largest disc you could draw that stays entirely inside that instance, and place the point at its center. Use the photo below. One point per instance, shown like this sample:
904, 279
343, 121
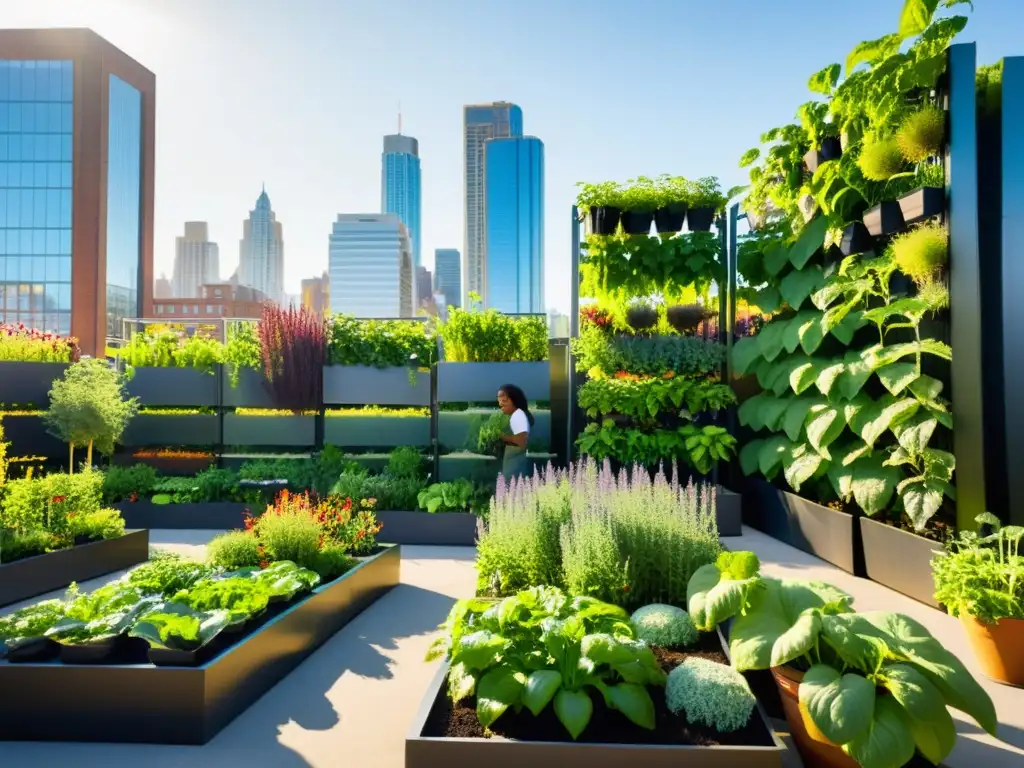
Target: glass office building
448, 275
400, 187
514, 207
370, 266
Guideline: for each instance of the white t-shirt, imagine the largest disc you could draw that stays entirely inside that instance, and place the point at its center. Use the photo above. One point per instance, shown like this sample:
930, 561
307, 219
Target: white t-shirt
519, 423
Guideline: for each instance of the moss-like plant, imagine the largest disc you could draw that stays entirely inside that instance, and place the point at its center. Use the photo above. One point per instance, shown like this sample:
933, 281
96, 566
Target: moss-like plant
664, 625
921, 252
234, 549
880, 159
935, 294
921, 134
710, 694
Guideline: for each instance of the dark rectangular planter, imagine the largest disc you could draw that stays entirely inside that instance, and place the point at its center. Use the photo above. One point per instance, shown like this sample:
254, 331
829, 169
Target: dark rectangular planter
468, 466
729, 512
377, 431
899, 560
922, 203
363, 385
142, 703
206, 516
173, 387
856, 239
27, 436
825, 533
292, 431
38, 575
199, 429
423, 751
479, 382
441, 529
166, 465
453, 427
253, 390
884, 219
28, 383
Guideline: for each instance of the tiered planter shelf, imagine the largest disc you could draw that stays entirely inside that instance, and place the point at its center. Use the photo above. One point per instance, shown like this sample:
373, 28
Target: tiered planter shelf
142, 703
290, 431
253, 390
191, 429
453, 426
28, 436
27, 384
377, 431
173, 387
479, 382
363, 385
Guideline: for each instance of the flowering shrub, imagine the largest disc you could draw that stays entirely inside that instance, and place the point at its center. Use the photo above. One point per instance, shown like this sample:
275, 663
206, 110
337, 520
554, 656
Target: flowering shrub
21, 344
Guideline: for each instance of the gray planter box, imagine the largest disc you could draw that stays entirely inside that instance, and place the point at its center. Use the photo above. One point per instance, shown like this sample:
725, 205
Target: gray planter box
900, 560
196, 429
293, 431
204, 516
729, 512
28, 383
363, 385
253, 390
468, 466
377, 431
441, 529
453, 427
173, 387
479, 382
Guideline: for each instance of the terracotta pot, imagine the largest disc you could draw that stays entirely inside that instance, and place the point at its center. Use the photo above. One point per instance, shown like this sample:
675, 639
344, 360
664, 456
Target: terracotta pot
998, 647
814, 748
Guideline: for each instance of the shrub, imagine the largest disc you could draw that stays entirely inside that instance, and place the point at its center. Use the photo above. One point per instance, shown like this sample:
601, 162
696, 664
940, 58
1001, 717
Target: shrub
293, 347
242, 350
172, 349
333, 561
17, 546
406, 462
921, 252
121, 483
101, 524
664, 625
287, 531
390, 493
233, 550
686, 317
21, 344
474, 336
921, 134
379, 343
710, 694
880, 159
44, 503
641, 317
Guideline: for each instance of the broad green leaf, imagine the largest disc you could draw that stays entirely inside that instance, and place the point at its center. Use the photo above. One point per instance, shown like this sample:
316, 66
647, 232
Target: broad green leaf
848, 326
912, 308
811, 238
712, 596
851, 381
926, 388
751, 413
824, 425
750, 456
803, 376
864, 654
574, 709
922, 500
886, 741
799, 284
801, 466
840, 706
461, 683
540, 688
939, 463
824, 296
633, 701
745, 353
811, 334
916, 16
936, 739
479, 650
773, 410
798, 639
771, 339
871, 51
915, 433
898, 376
824, 80
604, 649
914, 692
771, 455
873, 484
499, 689
796, 416
828, 377
871, 422
841, 477
776, 256
768, 299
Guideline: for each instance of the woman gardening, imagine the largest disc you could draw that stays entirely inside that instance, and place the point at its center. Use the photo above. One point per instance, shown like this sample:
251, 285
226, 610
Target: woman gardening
512, 402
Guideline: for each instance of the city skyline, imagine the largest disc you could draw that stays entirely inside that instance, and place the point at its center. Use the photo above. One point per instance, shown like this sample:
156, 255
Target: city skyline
261, 251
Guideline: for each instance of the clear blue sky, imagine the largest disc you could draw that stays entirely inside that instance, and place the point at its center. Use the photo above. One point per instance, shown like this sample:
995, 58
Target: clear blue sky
298, 93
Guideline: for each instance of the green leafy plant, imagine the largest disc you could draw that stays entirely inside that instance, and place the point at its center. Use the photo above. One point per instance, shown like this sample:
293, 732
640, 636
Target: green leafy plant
100, 524
881, 159
646, 356
486, 336
455, 496
921, 252
234, 549
172, 349
44, 503
485, 433
707, 193
701, 447
606, 193
120, 483
178, 628
380, 343
921, 134
406, 462
710, 694
242, 350
540, 648
649, 397
665, 626
165, 573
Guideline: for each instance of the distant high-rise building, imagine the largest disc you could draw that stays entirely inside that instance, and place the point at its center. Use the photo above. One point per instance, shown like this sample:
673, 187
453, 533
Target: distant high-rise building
481, 122
370, 266
77, 136
514, 205
400, 185
558, 324
424, 286
448, 275
316, 294
163, 289
196, 261
213, 302
261, 252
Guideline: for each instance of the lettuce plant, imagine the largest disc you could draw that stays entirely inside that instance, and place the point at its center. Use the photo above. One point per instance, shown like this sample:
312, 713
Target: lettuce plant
172, 626
878, 684
541, 647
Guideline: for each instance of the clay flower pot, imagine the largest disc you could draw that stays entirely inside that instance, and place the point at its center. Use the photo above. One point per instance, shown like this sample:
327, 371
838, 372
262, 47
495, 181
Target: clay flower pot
815, 749
999, 648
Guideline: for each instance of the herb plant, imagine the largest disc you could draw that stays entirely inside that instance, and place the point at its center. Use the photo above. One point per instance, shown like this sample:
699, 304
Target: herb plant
380, 343
710, 694
666, 626
487, 336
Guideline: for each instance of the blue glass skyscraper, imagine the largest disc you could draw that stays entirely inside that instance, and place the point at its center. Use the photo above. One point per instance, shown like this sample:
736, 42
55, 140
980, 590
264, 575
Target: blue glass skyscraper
448, 275
400, 186
514, 211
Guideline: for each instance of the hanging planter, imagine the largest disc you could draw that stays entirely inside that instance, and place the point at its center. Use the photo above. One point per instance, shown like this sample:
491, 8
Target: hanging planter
669, 220
637, 222
884, 219
602, 220
830, 149
700, 219
922, 203
856, 239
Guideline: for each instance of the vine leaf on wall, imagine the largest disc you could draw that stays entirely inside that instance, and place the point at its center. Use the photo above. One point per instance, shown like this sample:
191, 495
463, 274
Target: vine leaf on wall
798, 285
807, 244
795, 416
916, 16
824, 425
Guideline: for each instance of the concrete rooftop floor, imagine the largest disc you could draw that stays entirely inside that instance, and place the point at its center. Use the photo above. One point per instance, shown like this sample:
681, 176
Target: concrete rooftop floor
352, 701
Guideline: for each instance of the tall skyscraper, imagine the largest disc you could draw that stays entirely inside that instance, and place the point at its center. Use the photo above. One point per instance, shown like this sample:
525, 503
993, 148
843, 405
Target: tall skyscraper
448, 275
163, 288
78, 119
499, 119
424, 286
400, 185
514, 205
196, 261
370, 266
261, 253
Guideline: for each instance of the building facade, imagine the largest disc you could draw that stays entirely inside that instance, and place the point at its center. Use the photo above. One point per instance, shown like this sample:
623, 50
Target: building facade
196, 261
261, 251
448, 275
370, 266
316, 292
514, 210
77, 120
214, 304
400, 186
424, 286
163, 289
481, 122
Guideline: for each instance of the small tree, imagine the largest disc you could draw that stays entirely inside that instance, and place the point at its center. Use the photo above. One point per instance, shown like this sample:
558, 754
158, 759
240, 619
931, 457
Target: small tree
89, 407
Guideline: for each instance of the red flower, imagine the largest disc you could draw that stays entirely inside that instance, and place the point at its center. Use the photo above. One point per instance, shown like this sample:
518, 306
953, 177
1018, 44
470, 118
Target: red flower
59, 499
133, 497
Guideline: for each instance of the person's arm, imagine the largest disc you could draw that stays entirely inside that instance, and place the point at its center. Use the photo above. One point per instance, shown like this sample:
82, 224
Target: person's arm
520, 430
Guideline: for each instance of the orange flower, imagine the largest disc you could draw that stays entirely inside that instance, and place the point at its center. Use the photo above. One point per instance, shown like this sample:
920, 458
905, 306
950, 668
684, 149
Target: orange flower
669, 375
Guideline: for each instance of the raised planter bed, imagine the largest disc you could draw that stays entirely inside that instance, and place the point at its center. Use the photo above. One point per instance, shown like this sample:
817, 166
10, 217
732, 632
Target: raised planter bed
38, 575
27, 436
362, 385
377, 431
900, 560
198, 429
142, 703
479, 382
441, 529
178, 466
207, 516
426, 747
825, 533
173, 387
253, 390
453, 426
293, 431
729, 512
470, 466
23, 383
